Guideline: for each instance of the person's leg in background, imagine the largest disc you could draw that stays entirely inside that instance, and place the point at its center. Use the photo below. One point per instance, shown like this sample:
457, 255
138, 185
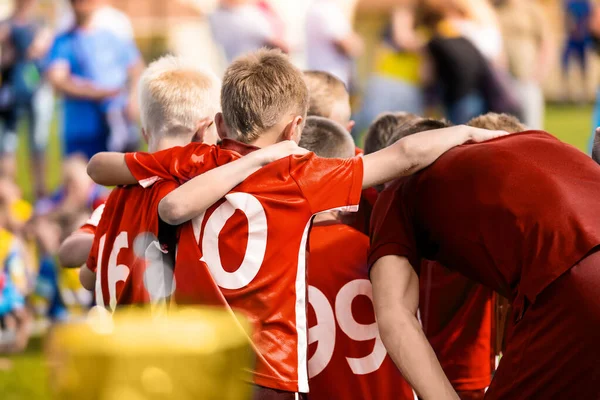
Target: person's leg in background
8, 143
532, 101
40, 121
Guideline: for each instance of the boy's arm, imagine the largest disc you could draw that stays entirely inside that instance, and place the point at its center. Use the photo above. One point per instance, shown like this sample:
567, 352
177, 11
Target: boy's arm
418, 151
75, 249
110, 169
87, 277
396, 299
197, 195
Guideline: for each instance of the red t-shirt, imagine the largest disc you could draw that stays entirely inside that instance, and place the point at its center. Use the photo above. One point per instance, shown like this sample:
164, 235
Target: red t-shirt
513, 213
253, 243
347, 359
456, 314
130, 264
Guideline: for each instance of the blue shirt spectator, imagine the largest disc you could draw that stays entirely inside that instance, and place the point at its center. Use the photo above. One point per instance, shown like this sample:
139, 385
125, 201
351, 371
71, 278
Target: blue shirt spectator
99, 66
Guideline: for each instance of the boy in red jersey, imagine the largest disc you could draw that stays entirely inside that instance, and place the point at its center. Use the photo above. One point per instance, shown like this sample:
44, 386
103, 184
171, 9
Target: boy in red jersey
342, 329
131, 265
456, 313
515, 214
253, 241
330, 99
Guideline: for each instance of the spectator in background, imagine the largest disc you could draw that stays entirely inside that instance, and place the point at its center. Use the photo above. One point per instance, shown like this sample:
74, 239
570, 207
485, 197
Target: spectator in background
26, 42
331, 43
577, 22
396, 83
242, 26
456, 66
528, 49
477, 21
97, 72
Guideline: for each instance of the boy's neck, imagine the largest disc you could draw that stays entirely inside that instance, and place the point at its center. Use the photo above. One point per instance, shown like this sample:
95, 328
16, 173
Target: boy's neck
268, 138
166, 143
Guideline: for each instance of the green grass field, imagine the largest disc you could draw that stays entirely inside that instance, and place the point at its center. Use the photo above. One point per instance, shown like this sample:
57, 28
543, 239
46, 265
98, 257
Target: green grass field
28, 377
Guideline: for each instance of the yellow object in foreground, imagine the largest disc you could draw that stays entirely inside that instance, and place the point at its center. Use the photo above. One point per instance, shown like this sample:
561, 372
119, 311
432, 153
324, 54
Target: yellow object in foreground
187, 354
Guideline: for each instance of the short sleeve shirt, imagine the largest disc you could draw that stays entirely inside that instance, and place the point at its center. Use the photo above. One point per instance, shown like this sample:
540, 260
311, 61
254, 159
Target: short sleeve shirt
133, 250
345, 345
102, 57
512, 213
253, 243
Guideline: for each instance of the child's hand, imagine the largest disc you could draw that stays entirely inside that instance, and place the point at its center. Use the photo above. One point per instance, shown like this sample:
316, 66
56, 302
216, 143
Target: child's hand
280, 150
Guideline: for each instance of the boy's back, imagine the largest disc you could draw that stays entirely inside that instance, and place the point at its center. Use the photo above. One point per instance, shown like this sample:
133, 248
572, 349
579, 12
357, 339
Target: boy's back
342, 321
126, 240
254, 242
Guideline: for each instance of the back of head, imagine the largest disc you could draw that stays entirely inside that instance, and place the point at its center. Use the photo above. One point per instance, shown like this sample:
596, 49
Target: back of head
175, 95
498, 122
386, 130
326, 138
328, 96
260, 89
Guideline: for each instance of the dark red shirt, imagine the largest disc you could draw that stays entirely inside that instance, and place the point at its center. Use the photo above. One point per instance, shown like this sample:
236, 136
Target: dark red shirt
513, 213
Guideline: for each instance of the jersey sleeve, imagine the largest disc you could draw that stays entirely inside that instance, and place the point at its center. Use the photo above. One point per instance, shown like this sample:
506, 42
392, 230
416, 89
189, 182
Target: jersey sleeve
392, 232
328, 184
177, 163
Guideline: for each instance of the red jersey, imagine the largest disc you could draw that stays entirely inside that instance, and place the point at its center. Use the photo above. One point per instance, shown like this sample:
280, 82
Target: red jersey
131, 266
253, 244
513, 213
456, 314
343, 334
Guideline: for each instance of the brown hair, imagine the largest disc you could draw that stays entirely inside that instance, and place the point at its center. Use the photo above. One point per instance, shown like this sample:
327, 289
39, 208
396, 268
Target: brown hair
326, 138
259, 90
498, 122
386, 129
326, 91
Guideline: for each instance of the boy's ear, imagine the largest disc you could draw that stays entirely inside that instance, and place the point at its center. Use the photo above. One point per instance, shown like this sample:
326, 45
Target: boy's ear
350, 126
292, 130
221, 126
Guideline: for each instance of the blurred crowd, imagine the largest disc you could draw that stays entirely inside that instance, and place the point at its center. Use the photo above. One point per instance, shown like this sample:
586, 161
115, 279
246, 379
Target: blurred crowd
452, 58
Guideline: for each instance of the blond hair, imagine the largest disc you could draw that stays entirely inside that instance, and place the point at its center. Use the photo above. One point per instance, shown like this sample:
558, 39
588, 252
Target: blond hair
498, 122
327, 95
175, 95
326, 138
259, 90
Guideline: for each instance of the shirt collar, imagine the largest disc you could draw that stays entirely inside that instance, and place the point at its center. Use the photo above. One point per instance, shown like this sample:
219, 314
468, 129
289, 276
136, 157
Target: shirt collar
238, 147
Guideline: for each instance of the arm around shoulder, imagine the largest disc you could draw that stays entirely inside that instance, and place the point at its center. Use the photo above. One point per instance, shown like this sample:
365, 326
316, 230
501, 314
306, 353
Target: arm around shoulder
110, 169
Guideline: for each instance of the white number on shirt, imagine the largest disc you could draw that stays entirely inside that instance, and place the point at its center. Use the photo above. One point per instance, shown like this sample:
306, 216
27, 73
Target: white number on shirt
257, 240
116, 273
324, 331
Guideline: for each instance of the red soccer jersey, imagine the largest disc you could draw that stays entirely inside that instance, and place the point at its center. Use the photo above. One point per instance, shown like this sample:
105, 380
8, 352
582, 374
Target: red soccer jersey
253, 243
456, 314
347, 357
131, 266
513, 213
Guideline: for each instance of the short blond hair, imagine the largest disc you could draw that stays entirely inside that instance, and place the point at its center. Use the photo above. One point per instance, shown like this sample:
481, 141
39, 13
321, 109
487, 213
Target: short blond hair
326, 93
259, 90
175, 94
498, 122
326, 138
